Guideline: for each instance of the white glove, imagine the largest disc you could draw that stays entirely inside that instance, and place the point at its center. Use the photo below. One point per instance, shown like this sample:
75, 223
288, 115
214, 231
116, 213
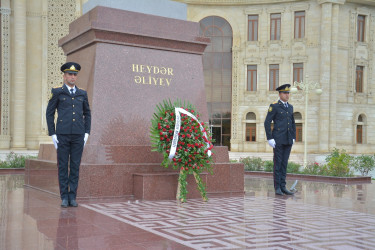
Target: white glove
55, 141
85, 139
272, 143
294, 140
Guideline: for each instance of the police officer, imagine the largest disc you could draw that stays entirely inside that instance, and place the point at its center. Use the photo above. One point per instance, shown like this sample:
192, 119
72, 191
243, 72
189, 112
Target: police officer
281, 138
72, 130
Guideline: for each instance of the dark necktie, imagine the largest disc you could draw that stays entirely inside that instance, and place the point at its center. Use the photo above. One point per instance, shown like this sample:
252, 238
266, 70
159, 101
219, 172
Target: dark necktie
286, 105
72, 91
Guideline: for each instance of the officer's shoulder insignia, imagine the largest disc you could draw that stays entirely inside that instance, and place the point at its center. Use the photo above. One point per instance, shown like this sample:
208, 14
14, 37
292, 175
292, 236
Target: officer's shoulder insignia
274, 102
50, 97
270, 109
56, 87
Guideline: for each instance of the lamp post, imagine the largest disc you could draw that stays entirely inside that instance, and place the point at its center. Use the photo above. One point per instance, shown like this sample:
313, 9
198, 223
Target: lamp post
306, 87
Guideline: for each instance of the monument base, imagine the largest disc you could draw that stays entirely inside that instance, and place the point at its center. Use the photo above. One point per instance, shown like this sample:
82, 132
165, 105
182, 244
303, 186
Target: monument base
130, 178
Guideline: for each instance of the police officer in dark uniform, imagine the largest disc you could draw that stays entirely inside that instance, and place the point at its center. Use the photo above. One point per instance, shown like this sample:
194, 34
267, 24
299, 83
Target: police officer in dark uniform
71, 132
281, 138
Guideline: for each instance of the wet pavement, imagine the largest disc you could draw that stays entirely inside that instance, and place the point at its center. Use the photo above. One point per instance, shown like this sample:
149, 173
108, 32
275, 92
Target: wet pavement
318, 216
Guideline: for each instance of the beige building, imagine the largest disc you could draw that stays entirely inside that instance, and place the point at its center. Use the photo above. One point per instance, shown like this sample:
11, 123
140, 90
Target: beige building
256, 46
330, 42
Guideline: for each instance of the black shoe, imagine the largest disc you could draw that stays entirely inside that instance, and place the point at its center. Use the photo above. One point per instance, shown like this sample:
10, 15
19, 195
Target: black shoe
64, 203
278, 192
73, 203
286, 191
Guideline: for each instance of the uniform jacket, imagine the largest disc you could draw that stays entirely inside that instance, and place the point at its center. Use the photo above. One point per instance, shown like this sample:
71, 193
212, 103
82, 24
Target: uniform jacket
284, 129
74, 116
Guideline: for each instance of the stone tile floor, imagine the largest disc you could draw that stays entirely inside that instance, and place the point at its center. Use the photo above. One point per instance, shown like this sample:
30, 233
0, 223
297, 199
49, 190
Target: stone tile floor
318, 216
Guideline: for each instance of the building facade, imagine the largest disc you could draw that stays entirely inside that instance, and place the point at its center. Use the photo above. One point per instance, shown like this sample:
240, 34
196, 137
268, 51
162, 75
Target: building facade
255, 47
329, 42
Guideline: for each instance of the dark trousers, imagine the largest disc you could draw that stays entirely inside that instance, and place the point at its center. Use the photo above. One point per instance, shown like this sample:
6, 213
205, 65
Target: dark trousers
69, 152
280, 162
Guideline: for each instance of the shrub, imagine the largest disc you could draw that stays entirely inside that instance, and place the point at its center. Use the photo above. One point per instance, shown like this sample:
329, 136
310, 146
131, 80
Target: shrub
252, 164
14, 160
315, 169
364, 164
338, 163
293, 168
268, 166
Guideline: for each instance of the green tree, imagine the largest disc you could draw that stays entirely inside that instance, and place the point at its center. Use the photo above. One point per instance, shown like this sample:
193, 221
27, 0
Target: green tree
364, 164
338, 163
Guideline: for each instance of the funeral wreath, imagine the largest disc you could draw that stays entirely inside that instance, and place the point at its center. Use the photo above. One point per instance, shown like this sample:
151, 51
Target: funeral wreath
184, 141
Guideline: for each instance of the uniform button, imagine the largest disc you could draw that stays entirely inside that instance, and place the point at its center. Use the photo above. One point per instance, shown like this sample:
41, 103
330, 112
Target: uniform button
74, 120
75, 113
72, 98
73, 105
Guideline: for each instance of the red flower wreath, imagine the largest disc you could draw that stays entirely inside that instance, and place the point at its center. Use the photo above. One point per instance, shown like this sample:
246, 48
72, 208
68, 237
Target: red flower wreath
188, 149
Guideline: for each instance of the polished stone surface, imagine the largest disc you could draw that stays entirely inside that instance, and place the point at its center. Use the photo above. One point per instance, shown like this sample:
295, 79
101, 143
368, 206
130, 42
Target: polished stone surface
319, 216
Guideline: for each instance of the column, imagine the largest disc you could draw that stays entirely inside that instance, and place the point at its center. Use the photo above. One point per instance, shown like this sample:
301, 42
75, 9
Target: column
333, 82
325, 75
5, 77
19, 69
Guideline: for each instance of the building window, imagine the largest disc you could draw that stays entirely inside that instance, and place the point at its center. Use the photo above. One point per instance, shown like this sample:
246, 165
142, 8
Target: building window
251, 116
359, 129
361, 28
299, 24
217, 69
359, 79
275, 26
297, 72
298, 119
359, 134
252, 77
298, 132
274, 76
253, 28
251, 133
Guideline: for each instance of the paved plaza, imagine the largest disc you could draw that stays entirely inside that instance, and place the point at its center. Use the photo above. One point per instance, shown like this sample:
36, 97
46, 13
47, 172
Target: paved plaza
318, 216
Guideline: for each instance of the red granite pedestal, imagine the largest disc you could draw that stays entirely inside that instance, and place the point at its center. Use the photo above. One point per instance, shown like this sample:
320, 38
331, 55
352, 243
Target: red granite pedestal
131, 62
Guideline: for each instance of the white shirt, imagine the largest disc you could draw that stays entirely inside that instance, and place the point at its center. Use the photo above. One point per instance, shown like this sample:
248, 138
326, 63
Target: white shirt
69, 88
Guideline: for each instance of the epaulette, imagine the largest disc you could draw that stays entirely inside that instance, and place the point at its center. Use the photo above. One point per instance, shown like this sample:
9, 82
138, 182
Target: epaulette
274, 102
56, 87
